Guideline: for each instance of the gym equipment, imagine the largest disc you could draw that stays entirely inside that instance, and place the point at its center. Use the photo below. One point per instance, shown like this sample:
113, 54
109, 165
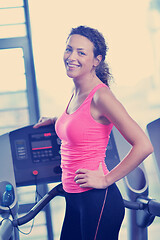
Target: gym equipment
6, 228
32, 156
153, 129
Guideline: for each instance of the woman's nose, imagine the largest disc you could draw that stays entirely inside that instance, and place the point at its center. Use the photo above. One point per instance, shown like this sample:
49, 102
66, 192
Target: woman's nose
72, 56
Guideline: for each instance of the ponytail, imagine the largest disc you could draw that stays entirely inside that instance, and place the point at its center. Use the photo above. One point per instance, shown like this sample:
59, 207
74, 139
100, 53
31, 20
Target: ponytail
103, 73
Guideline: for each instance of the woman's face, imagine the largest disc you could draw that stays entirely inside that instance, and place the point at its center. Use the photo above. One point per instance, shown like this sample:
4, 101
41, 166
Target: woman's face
79, 58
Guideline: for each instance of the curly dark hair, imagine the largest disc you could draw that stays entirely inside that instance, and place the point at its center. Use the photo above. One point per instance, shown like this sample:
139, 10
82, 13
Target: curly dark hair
100, 48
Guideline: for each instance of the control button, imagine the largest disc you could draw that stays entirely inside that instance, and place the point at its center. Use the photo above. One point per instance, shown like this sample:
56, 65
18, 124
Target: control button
36, 160
35, 172
55, 158
45, 160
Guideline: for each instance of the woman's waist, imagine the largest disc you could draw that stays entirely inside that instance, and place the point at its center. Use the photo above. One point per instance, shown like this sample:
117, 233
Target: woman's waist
69, 185
70, 166
69, 173
74, 163
82, 155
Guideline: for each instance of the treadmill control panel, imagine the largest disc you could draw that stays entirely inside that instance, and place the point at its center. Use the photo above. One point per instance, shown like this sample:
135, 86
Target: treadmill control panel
35, 150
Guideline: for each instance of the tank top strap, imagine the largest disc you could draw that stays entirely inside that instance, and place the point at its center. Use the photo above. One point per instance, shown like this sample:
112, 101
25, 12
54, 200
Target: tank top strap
91, 94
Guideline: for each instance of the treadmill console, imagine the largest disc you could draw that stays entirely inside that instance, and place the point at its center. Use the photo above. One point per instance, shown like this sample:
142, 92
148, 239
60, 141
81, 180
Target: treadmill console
36, 155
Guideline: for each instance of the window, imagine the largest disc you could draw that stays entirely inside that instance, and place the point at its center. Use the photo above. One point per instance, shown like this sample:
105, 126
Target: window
12, 19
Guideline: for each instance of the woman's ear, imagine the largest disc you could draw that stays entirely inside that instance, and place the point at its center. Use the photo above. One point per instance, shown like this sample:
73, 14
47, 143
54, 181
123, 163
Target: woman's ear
97, 60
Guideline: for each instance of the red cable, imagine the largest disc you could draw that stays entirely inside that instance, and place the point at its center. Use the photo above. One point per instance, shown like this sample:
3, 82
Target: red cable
101, 214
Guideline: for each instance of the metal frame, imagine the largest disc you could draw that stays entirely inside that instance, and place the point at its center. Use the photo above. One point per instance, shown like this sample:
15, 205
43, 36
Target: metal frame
151, 207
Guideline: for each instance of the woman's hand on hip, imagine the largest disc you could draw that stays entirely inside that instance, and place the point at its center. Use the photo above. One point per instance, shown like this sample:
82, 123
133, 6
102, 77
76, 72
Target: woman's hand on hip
91, 178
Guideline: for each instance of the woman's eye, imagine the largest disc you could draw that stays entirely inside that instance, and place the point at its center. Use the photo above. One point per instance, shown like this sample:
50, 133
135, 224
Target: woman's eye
68, 50
81, 53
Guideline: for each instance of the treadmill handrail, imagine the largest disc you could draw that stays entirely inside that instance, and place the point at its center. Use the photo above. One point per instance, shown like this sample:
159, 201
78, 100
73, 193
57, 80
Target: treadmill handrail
152, 206
56, 191
133, 205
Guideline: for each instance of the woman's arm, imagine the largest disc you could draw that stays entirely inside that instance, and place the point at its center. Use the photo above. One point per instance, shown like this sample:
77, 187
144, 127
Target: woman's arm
112, 109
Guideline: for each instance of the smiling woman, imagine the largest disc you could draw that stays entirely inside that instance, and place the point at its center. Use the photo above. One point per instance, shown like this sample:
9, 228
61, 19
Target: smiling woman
94, 45
125, 26
84, 129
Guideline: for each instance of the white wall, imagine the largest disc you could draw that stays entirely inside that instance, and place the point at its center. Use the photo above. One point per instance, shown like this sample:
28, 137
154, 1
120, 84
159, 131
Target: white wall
124, 25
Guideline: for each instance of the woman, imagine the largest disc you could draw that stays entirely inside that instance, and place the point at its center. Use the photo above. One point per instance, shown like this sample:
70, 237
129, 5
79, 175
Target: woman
94, 206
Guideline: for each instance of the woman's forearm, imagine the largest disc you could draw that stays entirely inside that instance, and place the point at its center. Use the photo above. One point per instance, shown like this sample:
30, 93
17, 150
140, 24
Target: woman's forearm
137, 154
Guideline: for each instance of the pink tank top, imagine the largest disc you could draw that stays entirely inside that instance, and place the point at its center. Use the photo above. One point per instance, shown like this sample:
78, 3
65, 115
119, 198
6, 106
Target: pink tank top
84, 142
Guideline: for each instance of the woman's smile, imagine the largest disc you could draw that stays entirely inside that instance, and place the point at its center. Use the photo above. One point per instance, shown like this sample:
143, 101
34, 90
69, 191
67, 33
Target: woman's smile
72, 66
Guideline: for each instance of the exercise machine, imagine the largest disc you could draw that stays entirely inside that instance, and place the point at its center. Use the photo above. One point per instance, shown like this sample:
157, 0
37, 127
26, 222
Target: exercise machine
153, 129
30, 156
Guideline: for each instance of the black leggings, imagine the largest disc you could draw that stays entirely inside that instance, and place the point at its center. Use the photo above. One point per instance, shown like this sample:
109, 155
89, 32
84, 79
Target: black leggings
83, 212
